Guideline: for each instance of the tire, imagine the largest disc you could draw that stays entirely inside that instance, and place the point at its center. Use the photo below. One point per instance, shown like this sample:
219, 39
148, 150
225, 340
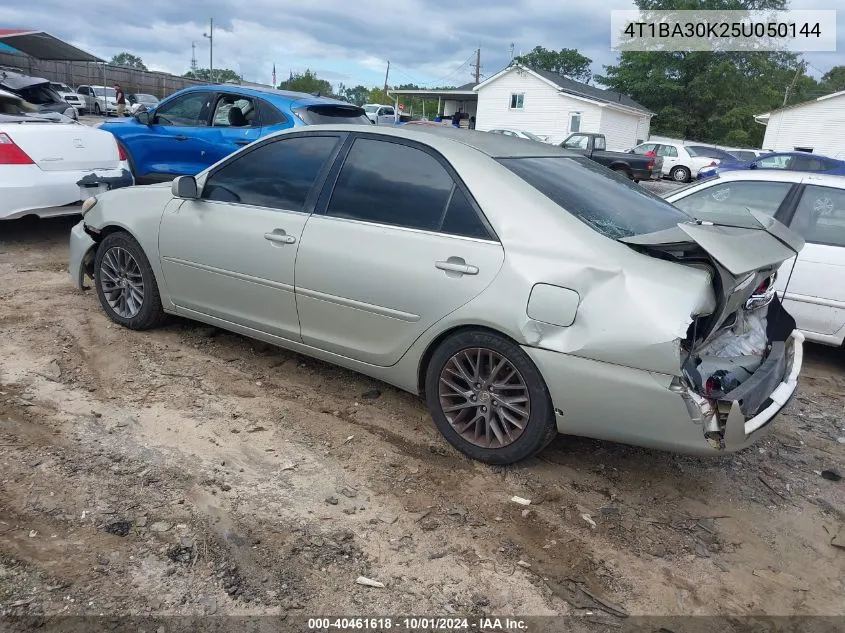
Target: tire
680, 174
115, 276
484, 350
97, 110
623, 171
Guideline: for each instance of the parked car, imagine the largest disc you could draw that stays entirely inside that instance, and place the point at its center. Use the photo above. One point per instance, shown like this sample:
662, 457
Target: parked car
48, 168
141, 101
67, 93
37, 91
797, 161
681, 162
380, 114
307, 239
742, 154
521, 134
594, 146
100, 99
812, 205
198, 126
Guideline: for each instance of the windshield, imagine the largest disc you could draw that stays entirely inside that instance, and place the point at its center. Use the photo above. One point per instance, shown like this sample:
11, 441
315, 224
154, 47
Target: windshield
146, 98
707, 152
611, 204
108, 92
60, 87
370, 108
743, 155
533, 137
338, 114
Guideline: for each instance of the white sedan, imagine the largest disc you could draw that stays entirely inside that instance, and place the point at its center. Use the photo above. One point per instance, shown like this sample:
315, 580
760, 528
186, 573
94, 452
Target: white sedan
813, 205
520, 134
48, 167
682, 163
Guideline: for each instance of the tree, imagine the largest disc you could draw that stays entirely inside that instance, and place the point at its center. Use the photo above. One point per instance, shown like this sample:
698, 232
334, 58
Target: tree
566, 61
306, 82
357, 95
221, 75
129, 60
710, 96
834, 79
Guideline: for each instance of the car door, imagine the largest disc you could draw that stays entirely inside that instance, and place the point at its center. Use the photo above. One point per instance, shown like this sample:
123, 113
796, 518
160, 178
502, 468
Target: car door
234, 123
386, 115
577, 143
670, 156
816, 292
396, 244
230, 254
171, 144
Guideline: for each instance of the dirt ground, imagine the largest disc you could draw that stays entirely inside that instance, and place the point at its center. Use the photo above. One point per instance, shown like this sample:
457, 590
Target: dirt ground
192, 471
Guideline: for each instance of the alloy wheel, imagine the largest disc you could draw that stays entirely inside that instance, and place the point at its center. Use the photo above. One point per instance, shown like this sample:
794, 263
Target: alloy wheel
484, 397
122, 282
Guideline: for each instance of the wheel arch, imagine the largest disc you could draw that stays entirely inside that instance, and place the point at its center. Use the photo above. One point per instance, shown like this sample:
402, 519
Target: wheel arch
425, 358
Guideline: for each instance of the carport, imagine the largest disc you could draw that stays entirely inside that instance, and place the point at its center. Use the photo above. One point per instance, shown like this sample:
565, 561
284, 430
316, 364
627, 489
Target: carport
449, 100
43, 46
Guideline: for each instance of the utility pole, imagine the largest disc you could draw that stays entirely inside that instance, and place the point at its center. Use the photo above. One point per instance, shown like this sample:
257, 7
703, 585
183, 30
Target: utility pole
477, 65
386, 75
792, 85
194, 57
210, 36
511, 48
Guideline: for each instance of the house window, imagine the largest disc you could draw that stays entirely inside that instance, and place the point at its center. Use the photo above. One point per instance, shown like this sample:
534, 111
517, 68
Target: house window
809, 150
574, 122
517, 100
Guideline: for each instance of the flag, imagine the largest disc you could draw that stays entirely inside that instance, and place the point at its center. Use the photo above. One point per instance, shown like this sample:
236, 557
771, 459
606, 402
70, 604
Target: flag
274, 75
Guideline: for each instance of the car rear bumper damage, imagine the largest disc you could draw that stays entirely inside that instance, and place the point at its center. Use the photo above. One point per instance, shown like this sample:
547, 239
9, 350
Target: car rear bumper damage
653, 410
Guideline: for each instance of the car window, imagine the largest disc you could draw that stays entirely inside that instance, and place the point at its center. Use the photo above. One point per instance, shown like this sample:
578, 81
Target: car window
189, 110
577, 141
600, 143
330, 113
531, 136
391, 183
278, 175
743, 155
462, 218
607, 202
83, 90
811, 163
234, 111
775, 162
269, 114
388, 112
642, 149
735, 198
708, 152
820, 216
667, 150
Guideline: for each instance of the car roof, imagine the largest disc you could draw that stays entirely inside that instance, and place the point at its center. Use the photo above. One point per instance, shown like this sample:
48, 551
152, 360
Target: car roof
271, 94
779, 175
442, 136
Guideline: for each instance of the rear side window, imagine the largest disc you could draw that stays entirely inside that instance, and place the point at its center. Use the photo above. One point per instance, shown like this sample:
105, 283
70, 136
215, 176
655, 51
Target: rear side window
462, 219
269, 114
278, 175
611, 204
389, 183
337, 114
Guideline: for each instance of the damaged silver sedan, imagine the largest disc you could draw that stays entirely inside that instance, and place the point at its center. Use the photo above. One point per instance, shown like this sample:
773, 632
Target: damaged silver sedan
523, 291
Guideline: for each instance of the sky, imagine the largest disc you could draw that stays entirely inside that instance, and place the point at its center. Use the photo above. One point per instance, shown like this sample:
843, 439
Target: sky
428, 42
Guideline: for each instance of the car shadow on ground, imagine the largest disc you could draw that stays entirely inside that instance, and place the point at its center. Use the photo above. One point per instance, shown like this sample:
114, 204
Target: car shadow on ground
32, 229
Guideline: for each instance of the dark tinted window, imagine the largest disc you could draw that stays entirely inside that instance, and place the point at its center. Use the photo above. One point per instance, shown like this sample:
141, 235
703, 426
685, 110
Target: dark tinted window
278, 175
462, 219
743, 155
316, 114
811, 163
611, 204
390, 183
188, 110
269, 114
707, 152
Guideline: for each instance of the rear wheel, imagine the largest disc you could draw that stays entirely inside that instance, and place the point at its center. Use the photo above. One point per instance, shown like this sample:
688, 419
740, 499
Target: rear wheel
125, 283
680, 174
97, 109
623, 171
488, 399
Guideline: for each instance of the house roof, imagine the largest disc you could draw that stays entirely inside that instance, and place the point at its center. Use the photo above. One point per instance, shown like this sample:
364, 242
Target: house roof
762, 118
576, 88
44, 46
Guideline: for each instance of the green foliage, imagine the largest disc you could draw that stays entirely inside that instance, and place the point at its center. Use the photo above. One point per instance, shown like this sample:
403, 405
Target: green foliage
834, 79
566, 61
129, 60
359, 95
221, 75
307, 82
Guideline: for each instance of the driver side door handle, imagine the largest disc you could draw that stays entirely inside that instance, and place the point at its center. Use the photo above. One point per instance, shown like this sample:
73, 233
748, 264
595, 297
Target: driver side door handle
242, 141
181, 137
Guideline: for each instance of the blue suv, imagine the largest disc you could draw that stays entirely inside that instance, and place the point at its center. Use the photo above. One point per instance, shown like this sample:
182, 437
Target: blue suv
196, 127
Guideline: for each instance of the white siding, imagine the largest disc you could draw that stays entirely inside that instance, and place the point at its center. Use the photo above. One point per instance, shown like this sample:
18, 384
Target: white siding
819, 125
621, 128
644, 128
545, 112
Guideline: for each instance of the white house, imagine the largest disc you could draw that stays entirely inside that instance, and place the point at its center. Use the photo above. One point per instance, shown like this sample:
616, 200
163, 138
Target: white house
816, 126
547, 104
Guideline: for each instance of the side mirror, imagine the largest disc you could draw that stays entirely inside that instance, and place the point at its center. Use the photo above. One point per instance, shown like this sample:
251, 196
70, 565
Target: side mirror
752, 166
144, 117
184, 187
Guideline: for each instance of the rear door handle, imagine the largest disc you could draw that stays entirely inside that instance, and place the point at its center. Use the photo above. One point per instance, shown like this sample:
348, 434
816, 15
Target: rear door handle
242, 141
181, 137
457, 265
280, 237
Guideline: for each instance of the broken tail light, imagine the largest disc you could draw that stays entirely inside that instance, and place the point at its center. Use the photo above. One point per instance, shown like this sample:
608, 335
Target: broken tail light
11, 154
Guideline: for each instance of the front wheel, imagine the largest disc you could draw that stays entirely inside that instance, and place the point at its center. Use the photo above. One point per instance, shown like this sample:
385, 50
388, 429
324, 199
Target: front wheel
488, 398
125, 283
97, 109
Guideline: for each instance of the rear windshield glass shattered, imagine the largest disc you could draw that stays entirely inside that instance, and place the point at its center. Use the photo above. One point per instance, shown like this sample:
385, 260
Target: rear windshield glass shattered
611, 204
